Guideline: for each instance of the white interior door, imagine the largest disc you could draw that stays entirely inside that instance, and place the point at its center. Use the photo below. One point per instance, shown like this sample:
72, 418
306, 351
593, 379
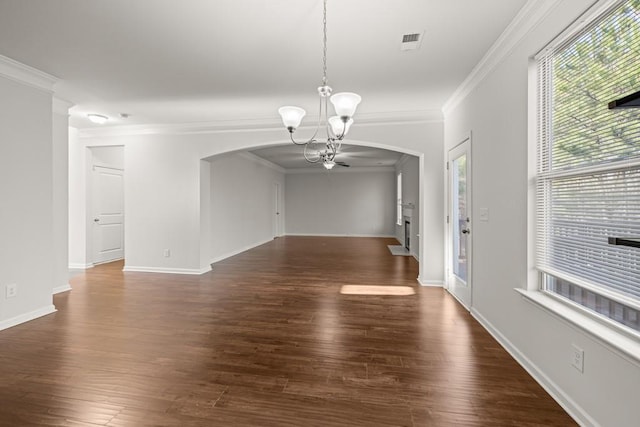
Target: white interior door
277, 222
459, 223
108, 214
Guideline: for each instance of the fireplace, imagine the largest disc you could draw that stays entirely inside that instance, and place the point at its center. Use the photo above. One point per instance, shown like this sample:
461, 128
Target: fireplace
407, 234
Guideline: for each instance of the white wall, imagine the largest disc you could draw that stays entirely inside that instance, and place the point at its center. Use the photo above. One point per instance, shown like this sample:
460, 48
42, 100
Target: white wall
60, 180
80, 170
77, 202
205, 213
170, 186
496, 113
26, 202
341, 202
162, 206
409, 166
109, 156
242, 203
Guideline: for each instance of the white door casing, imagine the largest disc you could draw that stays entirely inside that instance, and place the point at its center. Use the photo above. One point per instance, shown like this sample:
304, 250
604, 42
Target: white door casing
108, 214
276, 210
459, 223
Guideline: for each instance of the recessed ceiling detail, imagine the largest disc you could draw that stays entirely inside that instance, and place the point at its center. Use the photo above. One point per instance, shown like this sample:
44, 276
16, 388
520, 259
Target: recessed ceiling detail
357, 156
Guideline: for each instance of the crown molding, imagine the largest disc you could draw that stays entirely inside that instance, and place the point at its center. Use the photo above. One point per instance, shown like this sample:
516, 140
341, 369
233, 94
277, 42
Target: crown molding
251, 125
321, 170
24, 74
392, 117
264, 162
597, 9
531, 14
61, 106
222, 126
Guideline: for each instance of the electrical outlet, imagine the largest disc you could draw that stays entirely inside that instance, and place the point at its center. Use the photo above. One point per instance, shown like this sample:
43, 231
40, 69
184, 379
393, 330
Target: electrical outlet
167, 253
577, 357
11, 290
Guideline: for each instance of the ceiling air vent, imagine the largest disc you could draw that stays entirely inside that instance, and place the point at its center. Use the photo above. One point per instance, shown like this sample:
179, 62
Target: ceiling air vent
411, 41
408, 38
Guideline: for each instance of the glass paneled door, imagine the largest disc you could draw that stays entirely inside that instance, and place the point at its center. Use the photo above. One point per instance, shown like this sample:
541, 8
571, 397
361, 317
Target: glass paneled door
459, 222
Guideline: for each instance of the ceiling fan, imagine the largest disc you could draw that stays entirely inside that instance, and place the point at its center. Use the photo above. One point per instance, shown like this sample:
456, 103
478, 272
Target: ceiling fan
325, 154
327, 158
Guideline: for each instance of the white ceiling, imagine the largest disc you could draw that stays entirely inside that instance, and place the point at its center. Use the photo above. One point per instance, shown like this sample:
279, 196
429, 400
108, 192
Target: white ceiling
187, 61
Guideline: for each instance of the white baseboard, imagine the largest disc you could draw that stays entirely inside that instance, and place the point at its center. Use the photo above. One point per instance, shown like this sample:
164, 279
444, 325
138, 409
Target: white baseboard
61, 289
22, 318
568, 404
77, 266
431, 283
107, 262
238, 251
385, 236
142, 269
457, 298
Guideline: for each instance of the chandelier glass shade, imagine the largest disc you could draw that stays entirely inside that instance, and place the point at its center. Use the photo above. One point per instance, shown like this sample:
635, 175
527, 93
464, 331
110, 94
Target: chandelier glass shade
336, 127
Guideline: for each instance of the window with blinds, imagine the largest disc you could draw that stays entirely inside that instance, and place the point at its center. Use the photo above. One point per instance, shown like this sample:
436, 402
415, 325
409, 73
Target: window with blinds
588, 166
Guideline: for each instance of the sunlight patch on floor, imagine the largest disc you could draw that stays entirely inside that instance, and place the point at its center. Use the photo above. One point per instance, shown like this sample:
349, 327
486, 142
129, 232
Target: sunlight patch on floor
377, 290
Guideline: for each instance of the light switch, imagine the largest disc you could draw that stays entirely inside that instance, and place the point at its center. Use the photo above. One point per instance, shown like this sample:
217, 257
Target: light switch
484, 214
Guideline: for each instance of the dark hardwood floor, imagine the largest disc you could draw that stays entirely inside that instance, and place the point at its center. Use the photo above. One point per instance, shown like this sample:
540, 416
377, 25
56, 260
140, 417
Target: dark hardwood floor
265, 339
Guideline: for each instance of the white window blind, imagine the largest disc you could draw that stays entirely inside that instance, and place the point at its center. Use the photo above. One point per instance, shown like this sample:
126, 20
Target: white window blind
588, 177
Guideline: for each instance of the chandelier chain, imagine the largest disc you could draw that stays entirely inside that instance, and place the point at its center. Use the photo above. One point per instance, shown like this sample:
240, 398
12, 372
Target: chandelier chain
336, 127
324, 44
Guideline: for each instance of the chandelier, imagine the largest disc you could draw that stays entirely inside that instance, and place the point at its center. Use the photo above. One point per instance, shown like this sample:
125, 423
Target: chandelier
336, 127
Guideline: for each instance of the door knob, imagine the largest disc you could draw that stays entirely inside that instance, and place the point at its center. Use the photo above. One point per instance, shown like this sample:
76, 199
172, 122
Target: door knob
96, 220
467, 231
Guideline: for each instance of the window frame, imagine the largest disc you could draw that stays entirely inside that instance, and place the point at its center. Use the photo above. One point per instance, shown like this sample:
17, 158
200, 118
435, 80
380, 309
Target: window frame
622, 340
399, 206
